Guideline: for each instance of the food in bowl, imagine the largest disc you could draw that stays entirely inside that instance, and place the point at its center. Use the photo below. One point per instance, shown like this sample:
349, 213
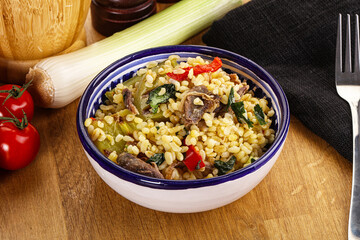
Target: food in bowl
184, 196
182, 121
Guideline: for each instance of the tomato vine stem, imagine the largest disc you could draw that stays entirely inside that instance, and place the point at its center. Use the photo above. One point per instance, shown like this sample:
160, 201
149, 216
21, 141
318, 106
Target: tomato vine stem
15, 91
19, 124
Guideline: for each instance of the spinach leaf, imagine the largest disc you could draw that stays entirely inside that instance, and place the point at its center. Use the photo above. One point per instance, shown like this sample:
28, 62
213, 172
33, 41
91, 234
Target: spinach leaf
259, 114
155, 99
239, 111
224, 167
157, 158
231, 99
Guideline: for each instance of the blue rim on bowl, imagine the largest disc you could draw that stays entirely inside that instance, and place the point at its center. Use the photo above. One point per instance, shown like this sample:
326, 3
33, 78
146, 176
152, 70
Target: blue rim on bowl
109, 77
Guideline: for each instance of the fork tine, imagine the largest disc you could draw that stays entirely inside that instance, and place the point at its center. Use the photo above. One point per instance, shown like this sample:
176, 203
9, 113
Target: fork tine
348, 46
357, 54
338, 58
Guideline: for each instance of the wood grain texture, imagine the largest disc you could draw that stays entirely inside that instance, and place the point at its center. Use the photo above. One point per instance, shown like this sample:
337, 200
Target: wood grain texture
59, 196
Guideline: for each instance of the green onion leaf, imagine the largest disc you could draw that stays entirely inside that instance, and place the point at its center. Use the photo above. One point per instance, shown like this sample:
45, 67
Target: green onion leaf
240, 111
155, 99
259, 114
157, 158
172, 26
225, 167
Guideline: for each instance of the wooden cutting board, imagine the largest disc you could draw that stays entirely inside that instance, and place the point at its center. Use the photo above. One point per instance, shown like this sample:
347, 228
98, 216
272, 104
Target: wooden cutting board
306, 195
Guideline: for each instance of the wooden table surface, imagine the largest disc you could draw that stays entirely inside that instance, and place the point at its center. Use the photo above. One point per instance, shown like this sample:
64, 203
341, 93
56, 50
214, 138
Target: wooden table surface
306, 195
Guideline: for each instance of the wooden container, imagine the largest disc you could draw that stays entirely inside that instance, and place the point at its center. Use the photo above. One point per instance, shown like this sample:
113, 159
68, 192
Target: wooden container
110, 16
167, 1
14, 71
36, 29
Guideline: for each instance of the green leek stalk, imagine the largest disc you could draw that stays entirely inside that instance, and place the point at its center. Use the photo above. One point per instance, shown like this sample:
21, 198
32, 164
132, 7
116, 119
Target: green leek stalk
59, 80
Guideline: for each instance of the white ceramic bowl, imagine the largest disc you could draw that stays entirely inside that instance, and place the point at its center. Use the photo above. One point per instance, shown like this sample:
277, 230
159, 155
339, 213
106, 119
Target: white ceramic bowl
183, 196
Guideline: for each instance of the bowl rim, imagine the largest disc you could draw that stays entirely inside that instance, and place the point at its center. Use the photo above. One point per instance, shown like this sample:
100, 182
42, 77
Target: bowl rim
156, 183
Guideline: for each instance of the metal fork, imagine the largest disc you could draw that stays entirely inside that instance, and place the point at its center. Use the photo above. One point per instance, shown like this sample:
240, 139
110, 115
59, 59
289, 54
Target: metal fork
348, 87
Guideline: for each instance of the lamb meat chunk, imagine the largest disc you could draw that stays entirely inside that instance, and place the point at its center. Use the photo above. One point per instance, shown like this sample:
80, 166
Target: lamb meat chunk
234, 78
202, 124
221, 110
205, 172
242, 90
134, 164
128, 100
194, 113
169, 171
107, 152
208, 169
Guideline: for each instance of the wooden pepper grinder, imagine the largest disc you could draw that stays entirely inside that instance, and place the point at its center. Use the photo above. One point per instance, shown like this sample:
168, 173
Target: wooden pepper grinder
111, 16
167, 1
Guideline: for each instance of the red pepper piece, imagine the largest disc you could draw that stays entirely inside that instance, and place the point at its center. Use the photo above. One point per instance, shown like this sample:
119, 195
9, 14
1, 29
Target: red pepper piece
211, 67
193, 159
180, 77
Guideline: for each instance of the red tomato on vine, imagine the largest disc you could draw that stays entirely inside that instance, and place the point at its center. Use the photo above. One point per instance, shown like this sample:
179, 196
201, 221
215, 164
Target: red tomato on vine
16, 99
19, 142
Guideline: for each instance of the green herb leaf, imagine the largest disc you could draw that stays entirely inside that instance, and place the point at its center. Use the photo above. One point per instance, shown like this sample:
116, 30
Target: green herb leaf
231, 98
225, 167
259, 114
239, 111
252, 159
155, 99
186, 132
157, 158
198, 165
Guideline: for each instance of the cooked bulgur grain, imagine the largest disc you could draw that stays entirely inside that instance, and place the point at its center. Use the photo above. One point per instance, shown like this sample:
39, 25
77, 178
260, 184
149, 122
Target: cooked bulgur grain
166, 125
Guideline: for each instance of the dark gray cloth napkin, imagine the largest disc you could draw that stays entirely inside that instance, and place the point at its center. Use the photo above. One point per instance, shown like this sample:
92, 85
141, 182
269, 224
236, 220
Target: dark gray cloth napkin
295, 42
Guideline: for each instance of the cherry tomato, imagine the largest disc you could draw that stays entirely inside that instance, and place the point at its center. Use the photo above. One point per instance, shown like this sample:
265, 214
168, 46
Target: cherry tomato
18, 100
18, 147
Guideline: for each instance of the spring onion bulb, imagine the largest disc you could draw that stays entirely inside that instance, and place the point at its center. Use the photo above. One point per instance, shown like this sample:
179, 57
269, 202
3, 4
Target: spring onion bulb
59, 80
